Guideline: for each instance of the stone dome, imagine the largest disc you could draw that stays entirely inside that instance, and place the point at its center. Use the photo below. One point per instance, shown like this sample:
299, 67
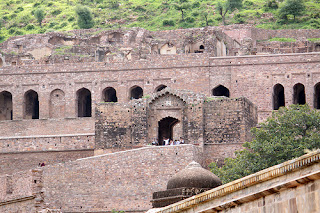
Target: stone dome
194, 176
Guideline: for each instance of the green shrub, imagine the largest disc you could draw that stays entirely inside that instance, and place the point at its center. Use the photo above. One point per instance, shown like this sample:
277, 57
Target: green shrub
238, 18
63, 24
271, 5
56, 12
52, 24
168, 22
19, 9
85, 20
71, 18
30, 27
139, 8
18, 32
189, 19
36, 4
12, 31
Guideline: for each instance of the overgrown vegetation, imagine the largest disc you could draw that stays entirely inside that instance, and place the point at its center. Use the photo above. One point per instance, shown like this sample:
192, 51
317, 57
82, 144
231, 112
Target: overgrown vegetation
18, 17
287, 134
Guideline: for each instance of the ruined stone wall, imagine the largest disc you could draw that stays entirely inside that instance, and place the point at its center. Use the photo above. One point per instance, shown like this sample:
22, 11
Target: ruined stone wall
121, 125
263, 34
227, 124
120, 181
30, 142
12, 162
228, 120
16, 192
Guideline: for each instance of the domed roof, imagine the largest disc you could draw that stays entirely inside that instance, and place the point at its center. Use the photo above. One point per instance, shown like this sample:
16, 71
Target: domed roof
194, 176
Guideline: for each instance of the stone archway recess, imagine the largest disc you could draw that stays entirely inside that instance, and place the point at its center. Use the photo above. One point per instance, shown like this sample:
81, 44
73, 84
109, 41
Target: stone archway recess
165, 128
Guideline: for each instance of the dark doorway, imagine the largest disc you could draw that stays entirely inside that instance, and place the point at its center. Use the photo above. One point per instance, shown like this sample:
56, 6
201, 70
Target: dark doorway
5, 105
31, 102
110, 95
278, 96
220, 91
299, 95
317, 96
136, 92
166, 128
84, 102
161, 87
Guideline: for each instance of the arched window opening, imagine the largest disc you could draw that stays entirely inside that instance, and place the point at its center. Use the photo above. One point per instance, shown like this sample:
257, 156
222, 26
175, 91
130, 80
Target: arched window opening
165, 129
136, 92
31, 105
317, 96
161, 87
201, 47
278, 96
110, 95
221, 91
57, 104
317, 48
5, 106
84, 102
299, 95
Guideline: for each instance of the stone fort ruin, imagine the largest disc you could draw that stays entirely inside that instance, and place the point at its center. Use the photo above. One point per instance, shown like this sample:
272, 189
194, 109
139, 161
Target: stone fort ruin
87, 103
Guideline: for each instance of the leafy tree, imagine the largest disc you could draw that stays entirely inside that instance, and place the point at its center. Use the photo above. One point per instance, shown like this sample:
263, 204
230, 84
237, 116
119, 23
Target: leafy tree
287, 134
182, 6
39, 14
225, 6
85, 20
291, 7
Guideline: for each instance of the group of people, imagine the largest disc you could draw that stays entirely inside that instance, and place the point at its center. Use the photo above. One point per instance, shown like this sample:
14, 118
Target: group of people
168, 141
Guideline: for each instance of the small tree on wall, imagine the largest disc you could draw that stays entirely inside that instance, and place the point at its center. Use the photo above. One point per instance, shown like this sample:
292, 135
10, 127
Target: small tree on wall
225, 6
39, 14
85, 20
182, 6
291, 7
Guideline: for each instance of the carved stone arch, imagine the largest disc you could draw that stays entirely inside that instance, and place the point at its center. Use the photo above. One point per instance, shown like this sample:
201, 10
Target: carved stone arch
57, 104
160, 87
316, 103
278, 96
221, 90
167, 130
135, 92
109, 94
299, 94
6, 106
170, 106
84, 101
31, 105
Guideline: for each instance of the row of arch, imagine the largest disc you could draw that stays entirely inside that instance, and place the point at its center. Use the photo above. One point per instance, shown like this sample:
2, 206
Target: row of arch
299, 95
57, 102
84, 105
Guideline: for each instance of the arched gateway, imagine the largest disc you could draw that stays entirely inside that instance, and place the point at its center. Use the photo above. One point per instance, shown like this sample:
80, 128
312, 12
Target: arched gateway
166, 112
166, 129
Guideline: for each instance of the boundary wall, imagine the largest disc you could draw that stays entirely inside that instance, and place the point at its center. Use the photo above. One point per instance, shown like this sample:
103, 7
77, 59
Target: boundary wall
122, 181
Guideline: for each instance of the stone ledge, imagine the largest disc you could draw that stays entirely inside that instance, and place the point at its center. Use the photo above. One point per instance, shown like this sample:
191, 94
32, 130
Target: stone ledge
21, 199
